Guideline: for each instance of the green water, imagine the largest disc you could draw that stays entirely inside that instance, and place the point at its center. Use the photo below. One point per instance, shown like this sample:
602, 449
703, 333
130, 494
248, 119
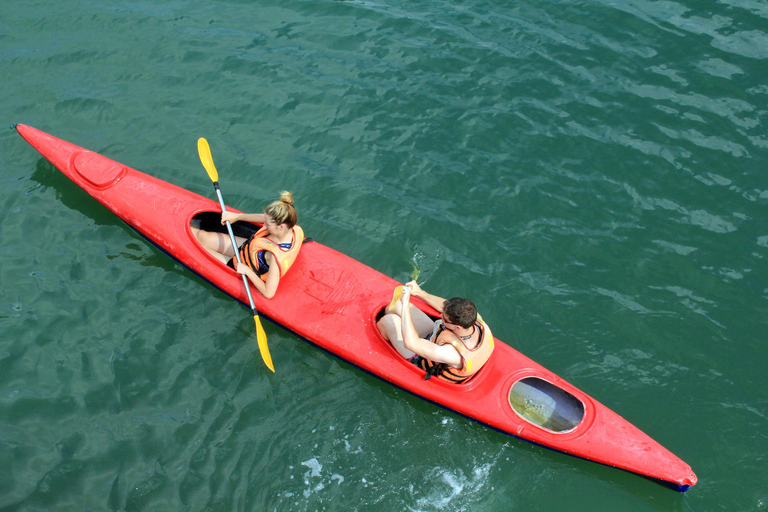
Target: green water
592, 174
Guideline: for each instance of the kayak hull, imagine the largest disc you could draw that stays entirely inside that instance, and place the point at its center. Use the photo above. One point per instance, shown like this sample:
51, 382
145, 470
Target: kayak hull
325, 289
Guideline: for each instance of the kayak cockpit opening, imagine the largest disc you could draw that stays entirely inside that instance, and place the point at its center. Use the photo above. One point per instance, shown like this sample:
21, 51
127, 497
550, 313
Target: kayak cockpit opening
378, 314
211, 221
545, 405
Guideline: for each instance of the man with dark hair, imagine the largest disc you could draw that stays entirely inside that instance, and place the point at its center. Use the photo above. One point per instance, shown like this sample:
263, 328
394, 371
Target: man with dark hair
453, 348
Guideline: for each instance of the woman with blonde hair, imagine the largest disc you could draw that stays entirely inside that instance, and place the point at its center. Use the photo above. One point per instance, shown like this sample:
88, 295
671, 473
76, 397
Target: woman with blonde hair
269, 253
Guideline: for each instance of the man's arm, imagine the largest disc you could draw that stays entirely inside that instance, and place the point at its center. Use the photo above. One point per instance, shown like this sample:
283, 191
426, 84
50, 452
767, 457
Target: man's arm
433, 300
424, 348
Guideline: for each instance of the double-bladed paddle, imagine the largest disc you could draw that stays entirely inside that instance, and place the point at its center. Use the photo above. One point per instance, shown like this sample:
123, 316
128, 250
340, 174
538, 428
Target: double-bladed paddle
205, 157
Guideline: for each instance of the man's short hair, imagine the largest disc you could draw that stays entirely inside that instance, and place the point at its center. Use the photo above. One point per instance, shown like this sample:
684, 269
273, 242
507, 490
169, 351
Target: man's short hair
460, 311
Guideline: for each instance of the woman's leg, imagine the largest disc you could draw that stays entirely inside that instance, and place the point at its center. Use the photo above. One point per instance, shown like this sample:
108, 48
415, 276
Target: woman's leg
218, 244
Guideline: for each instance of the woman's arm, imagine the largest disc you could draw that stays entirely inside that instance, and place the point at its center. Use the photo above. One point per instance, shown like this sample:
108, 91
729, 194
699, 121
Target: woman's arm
248, 217
267, 288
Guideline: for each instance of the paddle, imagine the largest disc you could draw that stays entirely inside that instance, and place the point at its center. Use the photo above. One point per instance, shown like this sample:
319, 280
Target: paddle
205, 157
416, 270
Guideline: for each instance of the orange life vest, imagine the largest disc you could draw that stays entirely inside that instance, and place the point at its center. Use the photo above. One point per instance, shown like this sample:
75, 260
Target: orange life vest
471, 360
283, 257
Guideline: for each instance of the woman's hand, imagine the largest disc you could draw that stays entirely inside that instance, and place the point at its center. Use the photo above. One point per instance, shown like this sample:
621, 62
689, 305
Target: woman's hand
267, 289
242, 269
229, 216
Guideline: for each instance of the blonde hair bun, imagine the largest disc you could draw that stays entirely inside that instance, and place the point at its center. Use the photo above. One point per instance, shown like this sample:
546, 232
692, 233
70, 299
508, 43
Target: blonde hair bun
286, 197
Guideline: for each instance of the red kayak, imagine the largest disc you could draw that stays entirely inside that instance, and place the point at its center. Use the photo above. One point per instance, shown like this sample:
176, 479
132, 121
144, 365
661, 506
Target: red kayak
326, 289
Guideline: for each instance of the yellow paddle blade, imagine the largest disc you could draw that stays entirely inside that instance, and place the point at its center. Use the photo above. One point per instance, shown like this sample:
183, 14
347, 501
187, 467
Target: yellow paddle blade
204, 150
261, 338
416, 266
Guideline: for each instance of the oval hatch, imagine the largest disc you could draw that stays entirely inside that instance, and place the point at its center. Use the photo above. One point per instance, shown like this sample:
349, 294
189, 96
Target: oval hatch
542, 403
98, 170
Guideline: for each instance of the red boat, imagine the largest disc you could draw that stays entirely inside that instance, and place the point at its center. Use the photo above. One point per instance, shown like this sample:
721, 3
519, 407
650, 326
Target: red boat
326, 289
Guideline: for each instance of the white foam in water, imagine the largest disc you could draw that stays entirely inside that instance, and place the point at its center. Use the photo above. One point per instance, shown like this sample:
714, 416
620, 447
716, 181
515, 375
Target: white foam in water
450, 486
348, 447
315, 471
314, 465
319, 487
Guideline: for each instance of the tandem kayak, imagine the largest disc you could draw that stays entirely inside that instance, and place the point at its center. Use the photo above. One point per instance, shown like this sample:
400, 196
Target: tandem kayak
325, 289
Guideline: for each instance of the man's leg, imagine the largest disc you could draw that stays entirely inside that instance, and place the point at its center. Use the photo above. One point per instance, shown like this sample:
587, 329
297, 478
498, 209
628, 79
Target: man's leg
390, 326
